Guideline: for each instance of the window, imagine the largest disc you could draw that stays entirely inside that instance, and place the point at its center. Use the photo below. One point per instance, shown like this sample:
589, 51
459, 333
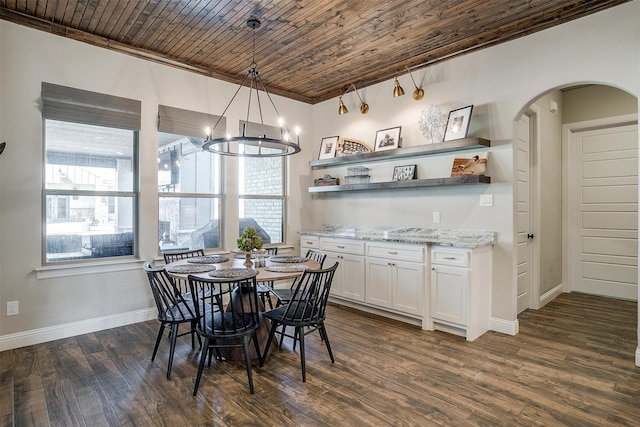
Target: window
90, 174
262, 184
189, 182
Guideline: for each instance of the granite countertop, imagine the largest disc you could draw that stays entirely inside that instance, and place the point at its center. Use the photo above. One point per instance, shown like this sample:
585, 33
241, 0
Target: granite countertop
410, 235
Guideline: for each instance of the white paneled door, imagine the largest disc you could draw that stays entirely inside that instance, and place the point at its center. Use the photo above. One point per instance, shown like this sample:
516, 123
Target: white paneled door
604, 211
523, 227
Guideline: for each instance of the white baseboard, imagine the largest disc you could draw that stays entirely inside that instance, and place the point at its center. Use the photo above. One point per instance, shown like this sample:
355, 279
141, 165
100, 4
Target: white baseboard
51, 333
550, 295
509, 327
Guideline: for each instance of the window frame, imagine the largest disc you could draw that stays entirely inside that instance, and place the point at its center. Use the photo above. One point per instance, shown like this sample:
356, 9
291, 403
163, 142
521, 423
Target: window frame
257, 129
81, 107
192, 124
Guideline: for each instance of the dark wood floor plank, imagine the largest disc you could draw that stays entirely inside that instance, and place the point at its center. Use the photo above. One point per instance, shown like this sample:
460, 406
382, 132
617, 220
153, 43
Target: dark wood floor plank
571, 364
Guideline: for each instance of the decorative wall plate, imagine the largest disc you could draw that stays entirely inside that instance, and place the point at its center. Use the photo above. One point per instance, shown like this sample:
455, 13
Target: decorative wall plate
191, 268
208, 259
348, 146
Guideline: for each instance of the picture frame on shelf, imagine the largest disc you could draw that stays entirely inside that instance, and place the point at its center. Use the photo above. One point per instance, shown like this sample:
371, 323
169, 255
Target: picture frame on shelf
458, 123
387, 139
471, 164
404, 173
328, 147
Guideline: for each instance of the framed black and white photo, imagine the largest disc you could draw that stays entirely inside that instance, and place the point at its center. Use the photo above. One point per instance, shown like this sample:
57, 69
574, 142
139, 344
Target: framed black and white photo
404, 173
387, 139
458, 123
328, 147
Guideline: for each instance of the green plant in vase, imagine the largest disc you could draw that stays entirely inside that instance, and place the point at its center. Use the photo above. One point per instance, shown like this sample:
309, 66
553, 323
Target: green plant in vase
249, 241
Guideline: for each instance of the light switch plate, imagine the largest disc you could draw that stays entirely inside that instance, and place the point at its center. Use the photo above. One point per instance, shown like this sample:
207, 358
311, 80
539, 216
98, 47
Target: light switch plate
486, 200
436, 217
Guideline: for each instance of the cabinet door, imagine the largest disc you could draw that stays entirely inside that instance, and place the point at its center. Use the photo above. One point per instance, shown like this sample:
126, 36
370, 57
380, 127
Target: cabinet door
336, 285
408, 284
379, 279
352, 280
449, 294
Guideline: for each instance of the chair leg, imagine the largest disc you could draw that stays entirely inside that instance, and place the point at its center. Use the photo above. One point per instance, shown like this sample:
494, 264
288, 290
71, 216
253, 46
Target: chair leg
325, 338
254, 338
155, 348
272, 333
203, 356
247, 361
300, 333
172, 348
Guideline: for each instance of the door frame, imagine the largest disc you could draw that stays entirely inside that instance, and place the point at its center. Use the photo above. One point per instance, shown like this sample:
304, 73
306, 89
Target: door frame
568, 132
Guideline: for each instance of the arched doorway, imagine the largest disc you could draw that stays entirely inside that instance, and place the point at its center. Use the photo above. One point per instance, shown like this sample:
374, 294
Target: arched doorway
577, 210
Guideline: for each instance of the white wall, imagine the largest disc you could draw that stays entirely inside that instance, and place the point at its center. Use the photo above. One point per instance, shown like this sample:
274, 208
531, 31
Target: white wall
82, 298
548, 172
500, 81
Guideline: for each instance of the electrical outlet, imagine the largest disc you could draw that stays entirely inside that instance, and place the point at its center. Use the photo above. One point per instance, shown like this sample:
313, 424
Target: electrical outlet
13, 308
486, 200
436, 217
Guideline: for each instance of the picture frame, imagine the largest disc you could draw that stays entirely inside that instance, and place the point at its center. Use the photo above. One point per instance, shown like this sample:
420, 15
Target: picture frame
458, 123
387, 139
404, 173
328, 147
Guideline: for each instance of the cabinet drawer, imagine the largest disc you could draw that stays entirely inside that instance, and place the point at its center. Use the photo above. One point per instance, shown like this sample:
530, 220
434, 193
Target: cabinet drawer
396, 252
445, 256
312, 242
343, 246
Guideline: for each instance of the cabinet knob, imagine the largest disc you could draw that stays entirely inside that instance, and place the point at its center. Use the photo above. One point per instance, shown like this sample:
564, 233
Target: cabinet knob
340, 246
449, 257
433, 269
392, 253
309, 243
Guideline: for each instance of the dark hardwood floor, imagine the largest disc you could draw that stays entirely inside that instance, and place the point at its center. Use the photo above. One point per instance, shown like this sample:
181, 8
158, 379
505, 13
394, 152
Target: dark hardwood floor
571, 364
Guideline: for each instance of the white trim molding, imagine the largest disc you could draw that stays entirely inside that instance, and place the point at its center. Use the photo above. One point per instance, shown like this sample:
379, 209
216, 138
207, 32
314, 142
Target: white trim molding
51, 333
509, 327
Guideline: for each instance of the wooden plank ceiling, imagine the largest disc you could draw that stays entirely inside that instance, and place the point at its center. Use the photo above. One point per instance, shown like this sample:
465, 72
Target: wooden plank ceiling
306, 50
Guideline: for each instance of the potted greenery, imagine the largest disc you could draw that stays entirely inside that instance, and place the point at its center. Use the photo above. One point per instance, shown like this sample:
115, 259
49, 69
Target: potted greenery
248, 242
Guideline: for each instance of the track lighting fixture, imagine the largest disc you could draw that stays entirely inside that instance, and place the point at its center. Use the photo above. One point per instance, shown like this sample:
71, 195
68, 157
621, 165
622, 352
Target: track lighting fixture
342, 109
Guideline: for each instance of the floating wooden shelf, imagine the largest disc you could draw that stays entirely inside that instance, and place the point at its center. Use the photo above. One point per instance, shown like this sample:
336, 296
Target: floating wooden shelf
414, 183
398, 153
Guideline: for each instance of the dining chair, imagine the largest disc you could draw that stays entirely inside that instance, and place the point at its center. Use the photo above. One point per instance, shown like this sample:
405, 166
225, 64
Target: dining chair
283, 296
231, 325
307, 308
264, 288
173, 310
173, 256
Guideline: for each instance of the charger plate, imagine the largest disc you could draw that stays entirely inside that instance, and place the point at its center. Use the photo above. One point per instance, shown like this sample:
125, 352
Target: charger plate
287, 268
191, 268
234, 273
208, 259
288, 259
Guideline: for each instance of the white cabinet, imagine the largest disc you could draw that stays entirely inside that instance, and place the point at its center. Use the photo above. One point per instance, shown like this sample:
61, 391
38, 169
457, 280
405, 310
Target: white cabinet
348, 281
308, 242
395, 277
460, 300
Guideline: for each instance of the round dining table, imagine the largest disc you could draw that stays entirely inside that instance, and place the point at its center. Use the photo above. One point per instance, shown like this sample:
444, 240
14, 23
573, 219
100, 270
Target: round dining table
290, 267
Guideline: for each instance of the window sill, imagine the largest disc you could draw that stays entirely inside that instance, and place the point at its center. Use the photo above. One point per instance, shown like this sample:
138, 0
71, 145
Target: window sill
82, 269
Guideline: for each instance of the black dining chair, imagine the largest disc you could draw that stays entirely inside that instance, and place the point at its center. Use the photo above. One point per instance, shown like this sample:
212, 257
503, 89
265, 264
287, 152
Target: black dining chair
264, 288
173, 256
173, 310
228, 326
307, 308
283, 295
